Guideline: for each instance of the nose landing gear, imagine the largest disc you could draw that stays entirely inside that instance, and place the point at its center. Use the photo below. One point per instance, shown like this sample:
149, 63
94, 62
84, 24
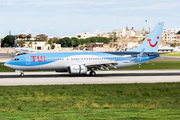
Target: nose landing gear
21, 72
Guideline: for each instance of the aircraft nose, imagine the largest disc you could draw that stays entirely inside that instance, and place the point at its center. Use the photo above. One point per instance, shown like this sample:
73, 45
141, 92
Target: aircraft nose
8, 64
5, 64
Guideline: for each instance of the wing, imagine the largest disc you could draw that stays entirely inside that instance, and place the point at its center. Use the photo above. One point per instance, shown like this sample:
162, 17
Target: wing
102, 65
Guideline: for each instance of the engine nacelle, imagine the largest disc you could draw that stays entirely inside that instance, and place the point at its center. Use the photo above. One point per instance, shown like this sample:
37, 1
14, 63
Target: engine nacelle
77, 69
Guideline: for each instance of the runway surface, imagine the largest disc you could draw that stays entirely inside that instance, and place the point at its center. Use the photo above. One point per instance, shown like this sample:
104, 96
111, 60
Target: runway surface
102, 77
167, 58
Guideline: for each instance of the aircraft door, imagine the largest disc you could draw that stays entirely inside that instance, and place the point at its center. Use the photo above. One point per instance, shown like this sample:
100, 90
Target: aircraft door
28, 60
80, 60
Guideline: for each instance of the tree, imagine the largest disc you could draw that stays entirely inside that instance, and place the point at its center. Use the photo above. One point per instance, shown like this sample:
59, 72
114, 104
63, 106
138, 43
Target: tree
83, 41
102, 39
114, 36
41, 37
17, 36
173, 44
65, 42
35, 44
9, 39
22, 36
95, 39
76, 42
6, 45
30, 42
91, 40
21, 43
53, 46
29, 36
2, 44
54, 40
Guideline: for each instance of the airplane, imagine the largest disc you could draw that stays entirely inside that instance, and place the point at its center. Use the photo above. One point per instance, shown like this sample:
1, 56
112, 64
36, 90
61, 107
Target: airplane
81, 63
20, 50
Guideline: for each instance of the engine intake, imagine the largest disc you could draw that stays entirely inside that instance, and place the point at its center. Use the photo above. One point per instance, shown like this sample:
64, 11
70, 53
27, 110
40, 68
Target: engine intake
77, 69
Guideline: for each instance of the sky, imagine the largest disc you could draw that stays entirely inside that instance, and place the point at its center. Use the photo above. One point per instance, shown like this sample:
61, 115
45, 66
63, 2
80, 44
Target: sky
71, 17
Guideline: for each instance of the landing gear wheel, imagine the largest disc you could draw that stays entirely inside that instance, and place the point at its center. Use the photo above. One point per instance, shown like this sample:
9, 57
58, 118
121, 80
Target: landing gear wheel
92, 73
22, 74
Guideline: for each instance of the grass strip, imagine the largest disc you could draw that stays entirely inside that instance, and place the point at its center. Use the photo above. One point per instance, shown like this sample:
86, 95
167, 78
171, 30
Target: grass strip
171, 54
106, 101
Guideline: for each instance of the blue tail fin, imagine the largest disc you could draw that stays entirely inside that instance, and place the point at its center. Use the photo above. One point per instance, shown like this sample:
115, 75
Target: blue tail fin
151, 43
15, 42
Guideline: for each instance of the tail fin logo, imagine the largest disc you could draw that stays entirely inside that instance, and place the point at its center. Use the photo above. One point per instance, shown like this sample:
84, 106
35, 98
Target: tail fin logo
149, 40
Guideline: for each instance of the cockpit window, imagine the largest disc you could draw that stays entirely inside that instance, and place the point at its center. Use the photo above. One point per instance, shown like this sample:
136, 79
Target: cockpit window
15, 59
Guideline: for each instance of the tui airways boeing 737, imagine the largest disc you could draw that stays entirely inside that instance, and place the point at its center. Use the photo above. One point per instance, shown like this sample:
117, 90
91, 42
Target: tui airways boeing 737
82, 62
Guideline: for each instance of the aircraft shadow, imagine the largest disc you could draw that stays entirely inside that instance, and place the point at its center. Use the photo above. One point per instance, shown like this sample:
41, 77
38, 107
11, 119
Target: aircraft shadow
97, 75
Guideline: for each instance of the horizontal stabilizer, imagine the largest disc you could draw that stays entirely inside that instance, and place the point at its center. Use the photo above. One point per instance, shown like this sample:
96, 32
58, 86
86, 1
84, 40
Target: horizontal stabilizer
140, 55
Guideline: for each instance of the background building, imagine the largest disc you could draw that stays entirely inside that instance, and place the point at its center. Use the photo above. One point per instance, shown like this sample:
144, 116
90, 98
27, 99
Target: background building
170, 34
84, 36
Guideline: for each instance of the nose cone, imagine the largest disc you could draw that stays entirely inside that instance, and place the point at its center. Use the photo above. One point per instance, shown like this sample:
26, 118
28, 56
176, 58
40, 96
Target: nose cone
8, 64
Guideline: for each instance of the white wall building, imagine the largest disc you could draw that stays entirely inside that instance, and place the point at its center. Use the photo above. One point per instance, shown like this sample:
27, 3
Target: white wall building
42, 46
170, 34
130, 33
107, 35
120, 32
84, 36
64, 36
171, 31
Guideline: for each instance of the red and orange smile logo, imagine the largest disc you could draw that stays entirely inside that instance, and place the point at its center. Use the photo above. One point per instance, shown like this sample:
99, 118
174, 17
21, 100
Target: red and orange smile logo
149, 40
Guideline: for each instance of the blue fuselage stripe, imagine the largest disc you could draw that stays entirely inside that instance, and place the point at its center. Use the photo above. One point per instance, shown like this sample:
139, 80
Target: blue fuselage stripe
37, 59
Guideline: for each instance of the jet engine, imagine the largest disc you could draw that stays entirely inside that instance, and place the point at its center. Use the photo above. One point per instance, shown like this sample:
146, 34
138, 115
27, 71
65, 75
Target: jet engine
77, 69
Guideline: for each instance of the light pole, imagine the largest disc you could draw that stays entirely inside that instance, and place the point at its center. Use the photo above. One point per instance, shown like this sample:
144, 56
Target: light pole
0, 27
149, 24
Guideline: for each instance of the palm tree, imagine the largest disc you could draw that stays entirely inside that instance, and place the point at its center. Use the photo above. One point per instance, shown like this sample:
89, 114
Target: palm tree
114, 36
24, 36
45, 45
30, 43
17, 36
51, 44
20, 36
21, 43
29, 36
35, 44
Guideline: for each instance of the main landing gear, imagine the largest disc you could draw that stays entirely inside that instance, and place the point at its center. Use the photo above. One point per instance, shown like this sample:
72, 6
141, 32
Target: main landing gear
22, 74
92, 73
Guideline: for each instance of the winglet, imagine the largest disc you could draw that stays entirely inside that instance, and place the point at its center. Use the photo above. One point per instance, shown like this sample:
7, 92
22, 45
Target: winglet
84, 50
140, 54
